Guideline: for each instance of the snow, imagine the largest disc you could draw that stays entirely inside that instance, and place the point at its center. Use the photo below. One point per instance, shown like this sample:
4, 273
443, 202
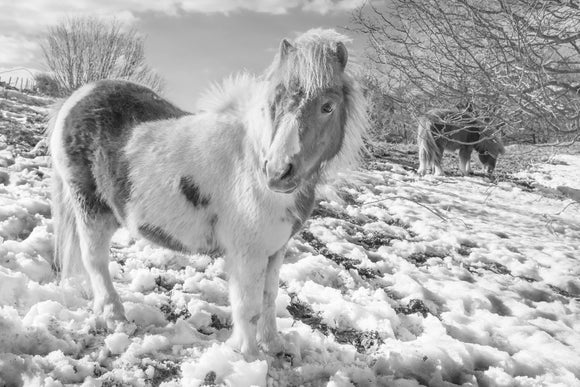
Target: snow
227, 367
117, 343
561, 172
412, 281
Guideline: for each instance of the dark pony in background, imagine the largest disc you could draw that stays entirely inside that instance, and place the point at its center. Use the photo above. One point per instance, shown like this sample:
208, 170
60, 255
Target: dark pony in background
442, 130
238, 177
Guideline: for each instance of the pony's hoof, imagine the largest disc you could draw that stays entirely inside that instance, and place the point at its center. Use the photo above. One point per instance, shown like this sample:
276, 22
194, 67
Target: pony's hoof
282, 360
127, 327
290, 354
273, 346
114, 315
110, 324
116, 323
250, 352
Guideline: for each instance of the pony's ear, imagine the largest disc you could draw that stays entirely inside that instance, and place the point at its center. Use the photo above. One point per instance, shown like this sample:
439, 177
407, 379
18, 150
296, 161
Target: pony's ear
342, 54
285, 48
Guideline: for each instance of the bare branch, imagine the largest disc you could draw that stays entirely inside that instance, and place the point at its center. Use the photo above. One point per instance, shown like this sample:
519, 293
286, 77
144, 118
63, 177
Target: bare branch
519, 58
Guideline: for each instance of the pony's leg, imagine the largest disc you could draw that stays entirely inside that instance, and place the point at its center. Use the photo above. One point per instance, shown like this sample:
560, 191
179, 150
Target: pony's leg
437, 170
246, 288
267, 328
423, 163
95, 233
465, 160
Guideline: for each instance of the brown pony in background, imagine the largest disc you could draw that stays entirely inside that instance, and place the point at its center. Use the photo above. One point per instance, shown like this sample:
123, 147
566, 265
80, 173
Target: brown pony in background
449, 130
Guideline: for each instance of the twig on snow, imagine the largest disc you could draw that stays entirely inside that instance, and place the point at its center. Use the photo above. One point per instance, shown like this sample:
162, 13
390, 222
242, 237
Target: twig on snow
433, 211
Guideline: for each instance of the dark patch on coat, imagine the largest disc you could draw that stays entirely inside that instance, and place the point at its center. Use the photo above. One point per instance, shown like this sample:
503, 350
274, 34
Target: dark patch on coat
276, 98
158, 236
214, 249
210, 239
296, 226
454, 130
303, 206
84, 192
192, 193
314, 134
95, 132
322, 139
122, 184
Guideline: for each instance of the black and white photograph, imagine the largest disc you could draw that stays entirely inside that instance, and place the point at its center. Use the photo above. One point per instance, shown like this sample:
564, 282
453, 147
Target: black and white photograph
272, 193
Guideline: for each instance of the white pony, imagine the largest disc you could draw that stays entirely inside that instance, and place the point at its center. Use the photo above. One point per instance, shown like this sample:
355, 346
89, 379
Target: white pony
238, 177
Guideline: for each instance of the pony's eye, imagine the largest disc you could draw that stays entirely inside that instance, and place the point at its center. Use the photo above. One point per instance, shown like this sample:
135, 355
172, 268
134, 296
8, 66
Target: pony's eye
327, 108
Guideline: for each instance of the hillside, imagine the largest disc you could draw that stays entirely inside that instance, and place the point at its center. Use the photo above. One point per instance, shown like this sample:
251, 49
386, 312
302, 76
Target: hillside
409, 281
22, 120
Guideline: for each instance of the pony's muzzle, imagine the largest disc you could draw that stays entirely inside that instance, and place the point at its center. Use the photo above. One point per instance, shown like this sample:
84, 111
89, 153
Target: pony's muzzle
282, 177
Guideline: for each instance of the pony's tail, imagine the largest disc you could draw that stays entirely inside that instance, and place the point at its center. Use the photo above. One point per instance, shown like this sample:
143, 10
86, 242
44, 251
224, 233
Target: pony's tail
66, 244
66, 238
429, 152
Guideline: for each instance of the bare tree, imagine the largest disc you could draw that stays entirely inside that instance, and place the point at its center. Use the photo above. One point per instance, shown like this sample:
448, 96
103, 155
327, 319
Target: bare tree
518, 61
80, 50
387, 122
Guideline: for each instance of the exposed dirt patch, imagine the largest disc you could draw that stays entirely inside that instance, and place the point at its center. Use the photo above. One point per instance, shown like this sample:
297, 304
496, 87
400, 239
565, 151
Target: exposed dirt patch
363, 341
345, 262
173, 313
414, 306
419, 259
162, 372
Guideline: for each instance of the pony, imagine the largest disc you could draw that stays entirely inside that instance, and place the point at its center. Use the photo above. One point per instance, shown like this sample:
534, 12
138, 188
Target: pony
442, 130
237, 177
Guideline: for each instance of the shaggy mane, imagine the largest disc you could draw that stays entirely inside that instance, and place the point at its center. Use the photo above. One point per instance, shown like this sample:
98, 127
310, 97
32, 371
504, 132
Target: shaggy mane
230, 94
313, 62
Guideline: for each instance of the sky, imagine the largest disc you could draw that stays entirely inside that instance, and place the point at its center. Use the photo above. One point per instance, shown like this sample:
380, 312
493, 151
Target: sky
190, 43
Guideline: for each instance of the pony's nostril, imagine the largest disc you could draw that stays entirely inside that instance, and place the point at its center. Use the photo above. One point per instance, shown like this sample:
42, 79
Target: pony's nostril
287, 172
265, 167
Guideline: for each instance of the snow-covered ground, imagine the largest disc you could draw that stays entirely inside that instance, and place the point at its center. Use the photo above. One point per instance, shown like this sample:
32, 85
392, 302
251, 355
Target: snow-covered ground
560, 172
434, 281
